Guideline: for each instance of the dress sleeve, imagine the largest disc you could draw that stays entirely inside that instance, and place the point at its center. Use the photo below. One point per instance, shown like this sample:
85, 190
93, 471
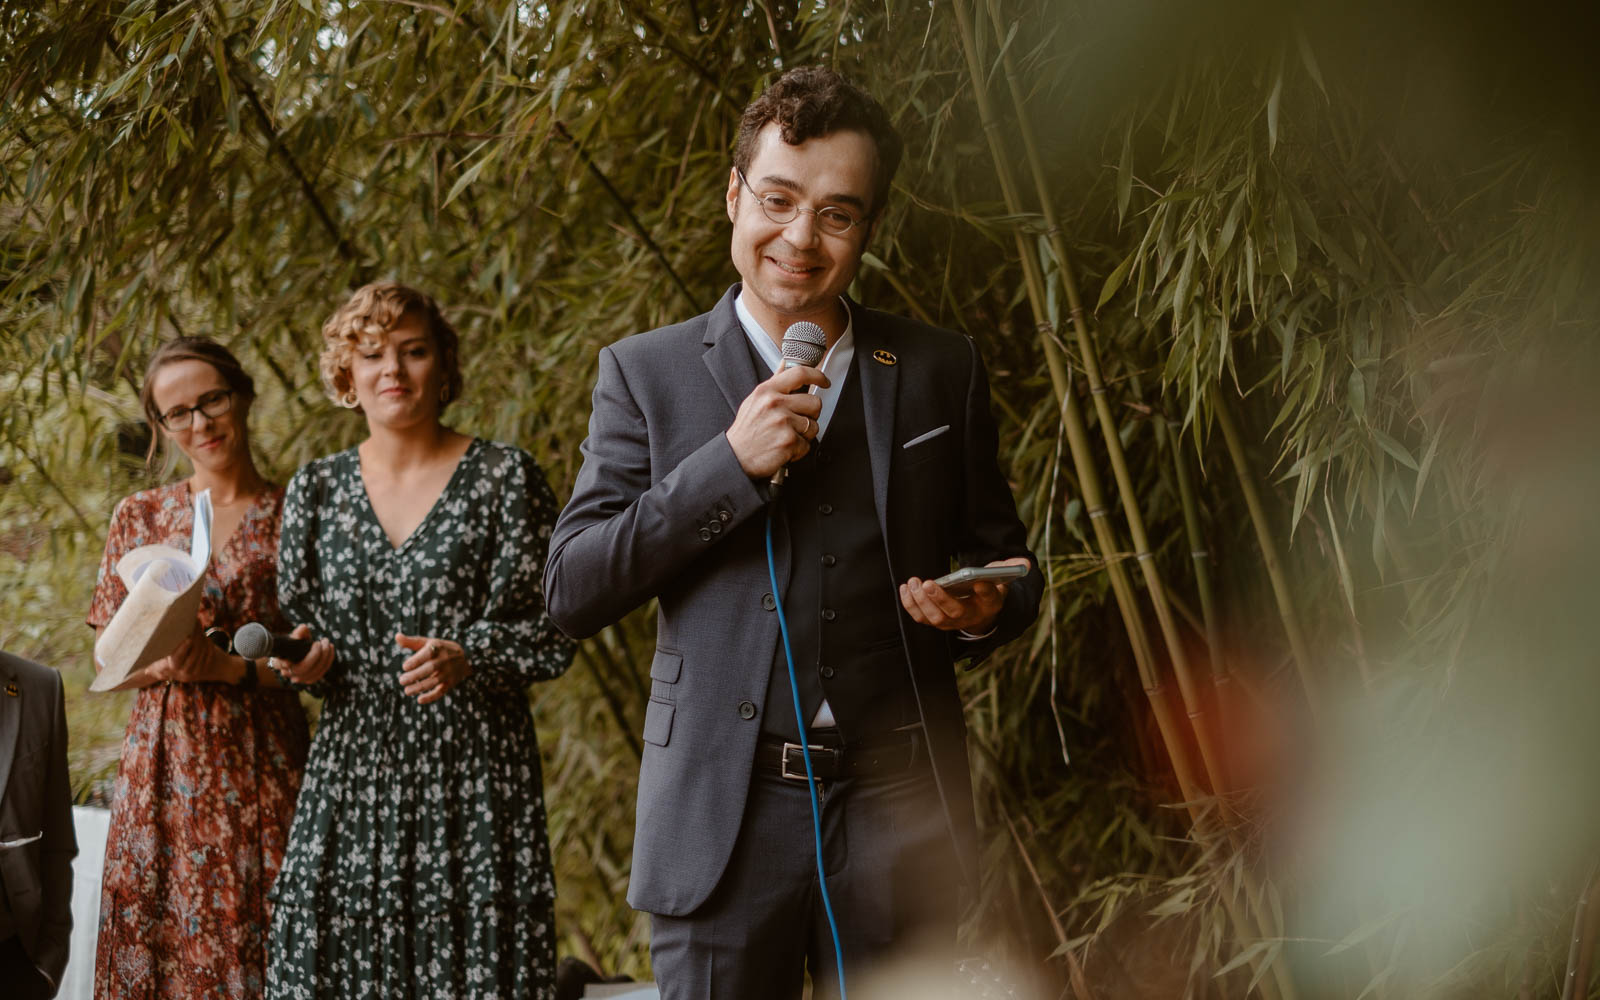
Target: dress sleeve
109, 591
515, 637
300, 593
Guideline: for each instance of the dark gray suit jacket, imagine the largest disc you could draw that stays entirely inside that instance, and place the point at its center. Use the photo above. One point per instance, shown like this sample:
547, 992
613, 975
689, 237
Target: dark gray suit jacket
36, 803
662, 509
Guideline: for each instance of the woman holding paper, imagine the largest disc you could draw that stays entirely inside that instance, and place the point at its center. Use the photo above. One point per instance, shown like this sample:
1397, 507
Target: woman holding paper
216, 745
418, 865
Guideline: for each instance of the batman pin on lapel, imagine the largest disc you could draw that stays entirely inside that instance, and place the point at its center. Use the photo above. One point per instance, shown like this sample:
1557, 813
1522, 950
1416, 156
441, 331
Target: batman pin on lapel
11, 689
884, 357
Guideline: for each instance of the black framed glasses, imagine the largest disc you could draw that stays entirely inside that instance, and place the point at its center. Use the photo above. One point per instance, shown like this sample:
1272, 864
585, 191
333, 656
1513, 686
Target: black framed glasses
213, 404
781, 208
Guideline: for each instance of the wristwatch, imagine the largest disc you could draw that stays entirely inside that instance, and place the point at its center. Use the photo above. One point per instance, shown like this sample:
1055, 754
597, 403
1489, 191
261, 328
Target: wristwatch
250, 680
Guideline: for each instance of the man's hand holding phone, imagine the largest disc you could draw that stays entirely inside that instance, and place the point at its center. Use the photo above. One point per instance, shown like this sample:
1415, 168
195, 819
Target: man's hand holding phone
967, 600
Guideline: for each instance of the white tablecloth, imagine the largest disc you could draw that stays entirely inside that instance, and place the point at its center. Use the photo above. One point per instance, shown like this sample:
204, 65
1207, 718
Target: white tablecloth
91, 825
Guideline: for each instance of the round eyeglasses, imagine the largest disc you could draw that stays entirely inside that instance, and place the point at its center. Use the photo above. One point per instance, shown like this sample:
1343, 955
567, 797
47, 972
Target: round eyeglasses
781, 208
213, 404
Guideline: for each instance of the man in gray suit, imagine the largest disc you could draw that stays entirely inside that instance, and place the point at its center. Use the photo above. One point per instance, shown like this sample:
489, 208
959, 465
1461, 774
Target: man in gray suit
892, 476
37, 843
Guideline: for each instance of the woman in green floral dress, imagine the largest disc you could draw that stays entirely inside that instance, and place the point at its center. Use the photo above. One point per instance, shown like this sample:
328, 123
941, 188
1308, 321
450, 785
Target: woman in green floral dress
418, 863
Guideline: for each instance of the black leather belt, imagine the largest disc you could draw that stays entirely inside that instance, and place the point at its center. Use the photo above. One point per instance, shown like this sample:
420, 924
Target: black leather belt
888, 756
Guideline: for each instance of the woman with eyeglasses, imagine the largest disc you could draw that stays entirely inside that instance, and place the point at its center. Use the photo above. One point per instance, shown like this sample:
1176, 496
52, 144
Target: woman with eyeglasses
216, 745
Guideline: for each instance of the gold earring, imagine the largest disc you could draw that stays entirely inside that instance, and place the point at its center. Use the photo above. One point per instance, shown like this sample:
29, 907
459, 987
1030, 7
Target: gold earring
348, 400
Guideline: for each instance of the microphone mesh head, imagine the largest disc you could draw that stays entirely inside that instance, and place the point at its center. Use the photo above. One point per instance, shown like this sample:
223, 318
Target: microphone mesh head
804, 343
253, 641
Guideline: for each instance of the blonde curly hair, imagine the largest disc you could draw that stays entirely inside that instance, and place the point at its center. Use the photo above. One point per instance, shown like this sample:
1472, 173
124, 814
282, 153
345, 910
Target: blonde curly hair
367, 317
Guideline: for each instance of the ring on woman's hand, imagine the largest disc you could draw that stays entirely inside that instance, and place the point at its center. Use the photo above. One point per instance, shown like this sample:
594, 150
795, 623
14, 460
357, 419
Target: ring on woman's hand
433, 649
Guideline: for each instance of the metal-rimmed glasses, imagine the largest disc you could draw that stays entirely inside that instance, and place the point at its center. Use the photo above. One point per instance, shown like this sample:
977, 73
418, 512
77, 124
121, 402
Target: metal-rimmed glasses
213, 404
781, 208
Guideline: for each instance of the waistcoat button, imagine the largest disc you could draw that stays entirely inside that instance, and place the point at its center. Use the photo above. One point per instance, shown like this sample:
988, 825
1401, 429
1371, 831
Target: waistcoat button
828, 614
829, 560
826, 672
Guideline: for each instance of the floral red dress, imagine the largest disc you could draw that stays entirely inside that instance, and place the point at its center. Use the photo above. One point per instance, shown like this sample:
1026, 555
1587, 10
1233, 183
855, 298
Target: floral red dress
206, 791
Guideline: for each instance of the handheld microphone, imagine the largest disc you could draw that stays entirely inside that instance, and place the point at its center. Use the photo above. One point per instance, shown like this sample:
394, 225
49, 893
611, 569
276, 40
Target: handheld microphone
804, 343
254, 642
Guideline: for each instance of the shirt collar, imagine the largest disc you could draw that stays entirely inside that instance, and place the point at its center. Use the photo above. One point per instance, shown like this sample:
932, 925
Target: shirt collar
836, 362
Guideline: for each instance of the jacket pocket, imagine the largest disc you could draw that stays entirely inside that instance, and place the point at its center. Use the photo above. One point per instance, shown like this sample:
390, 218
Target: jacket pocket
666, 667
658, 722
925, 447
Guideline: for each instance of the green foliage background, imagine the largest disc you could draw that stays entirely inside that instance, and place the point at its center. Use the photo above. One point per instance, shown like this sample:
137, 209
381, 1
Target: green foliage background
1365, 235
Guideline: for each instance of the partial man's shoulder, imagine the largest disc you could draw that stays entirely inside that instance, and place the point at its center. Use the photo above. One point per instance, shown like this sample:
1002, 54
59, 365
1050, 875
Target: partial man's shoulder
913, 338
671, 340
31, 674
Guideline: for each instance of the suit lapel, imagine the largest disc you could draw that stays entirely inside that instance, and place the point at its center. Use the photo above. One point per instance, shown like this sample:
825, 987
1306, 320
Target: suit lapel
880, 385
10, 719
732, 364
728, 352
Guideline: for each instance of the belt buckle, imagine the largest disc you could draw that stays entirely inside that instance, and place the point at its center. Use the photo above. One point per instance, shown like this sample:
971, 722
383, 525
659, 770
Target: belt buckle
783, 768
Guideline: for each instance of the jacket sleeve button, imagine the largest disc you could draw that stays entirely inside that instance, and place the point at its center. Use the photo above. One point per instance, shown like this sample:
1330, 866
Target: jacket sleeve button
705, 534
724, 516
747, 710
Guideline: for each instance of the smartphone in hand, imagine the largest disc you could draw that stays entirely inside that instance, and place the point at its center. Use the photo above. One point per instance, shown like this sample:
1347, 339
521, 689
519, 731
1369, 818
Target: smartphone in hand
961, 580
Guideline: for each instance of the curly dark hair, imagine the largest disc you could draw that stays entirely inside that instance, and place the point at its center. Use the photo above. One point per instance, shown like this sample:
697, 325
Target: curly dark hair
812, 101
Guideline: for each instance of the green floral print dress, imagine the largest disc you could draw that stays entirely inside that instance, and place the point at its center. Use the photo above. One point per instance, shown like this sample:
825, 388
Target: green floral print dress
418, 864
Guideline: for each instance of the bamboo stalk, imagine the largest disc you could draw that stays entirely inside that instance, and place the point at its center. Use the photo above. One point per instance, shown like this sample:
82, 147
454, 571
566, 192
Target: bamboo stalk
1269, 552
1077, 436
1584, 925
1193, 700
1168, 436
1199, 554
1279, 984
1080, 983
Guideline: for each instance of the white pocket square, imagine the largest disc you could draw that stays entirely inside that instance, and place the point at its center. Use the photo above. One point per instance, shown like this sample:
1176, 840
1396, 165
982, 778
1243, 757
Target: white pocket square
929, 436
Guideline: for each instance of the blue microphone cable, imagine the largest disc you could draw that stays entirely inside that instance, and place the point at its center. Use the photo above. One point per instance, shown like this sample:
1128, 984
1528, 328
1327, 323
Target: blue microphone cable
805, 751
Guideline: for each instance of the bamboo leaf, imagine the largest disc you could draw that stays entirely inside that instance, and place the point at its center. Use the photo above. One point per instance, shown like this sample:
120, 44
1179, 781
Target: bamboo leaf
1283, 229
1395, 449
1125, 172
1274, 100
1425, 468
1309, 60
1251, 952
1114, 281
467, 177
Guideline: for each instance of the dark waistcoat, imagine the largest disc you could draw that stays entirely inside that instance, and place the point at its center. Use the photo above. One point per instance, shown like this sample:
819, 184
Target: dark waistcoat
841, 602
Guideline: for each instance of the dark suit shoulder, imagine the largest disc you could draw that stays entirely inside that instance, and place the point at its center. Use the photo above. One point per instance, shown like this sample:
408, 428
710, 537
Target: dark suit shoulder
684, 337
29, 673
928, 348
